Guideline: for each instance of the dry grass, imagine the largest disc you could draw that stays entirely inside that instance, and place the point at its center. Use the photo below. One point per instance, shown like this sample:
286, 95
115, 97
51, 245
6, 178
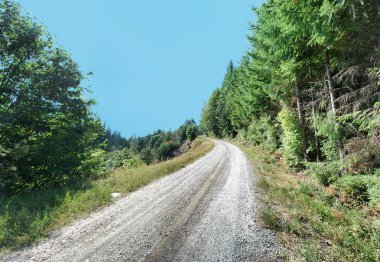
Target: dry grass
127, 180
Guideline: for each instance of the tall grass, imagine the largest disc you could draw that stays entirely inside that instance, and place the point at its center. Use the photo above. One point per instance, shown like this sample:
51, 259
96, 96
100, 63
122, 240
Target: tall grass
311, 221
33, 215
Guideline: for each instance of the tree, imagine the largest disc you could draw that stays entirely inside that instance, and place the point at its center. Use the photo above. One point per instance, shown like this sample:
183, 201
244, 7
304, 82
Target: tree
46, 127
318, 57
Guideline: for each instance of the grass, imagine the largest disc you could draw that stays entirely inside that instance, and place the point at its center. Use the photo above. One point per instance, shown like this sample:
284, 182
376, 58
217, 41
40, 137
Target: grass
310, 220
31, 216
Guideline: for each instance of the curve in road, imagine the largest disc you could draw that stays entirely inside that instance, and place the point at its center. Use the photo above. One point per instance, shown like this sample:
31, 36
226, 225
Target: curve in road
205, 212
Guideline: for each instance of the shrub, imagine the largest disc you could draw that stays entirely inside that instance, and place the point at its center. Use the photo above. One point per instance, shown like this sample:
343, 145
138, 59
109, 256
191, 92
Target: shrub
359, 189
330, 129
189, 130
95, 164
325, 172
353, 189
120, 158
263, 132
291, 138
374, 194
363, 154
133, 162
192, 132
165, 150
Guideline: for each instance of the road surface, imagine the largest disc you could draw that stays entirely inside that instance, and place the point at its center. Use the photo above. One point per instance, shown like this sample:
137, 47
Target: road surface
205, 212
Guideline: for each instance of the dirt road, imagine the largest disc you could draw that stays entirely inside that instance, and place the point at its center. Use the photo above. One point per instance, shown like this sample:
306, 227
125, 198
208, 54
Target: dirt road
204, 212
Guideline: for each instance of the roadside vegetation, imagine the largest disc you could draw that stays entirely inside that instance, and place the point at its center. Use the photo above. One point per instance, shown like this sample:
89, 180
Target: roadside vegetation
316, 223
308, 92
30, 216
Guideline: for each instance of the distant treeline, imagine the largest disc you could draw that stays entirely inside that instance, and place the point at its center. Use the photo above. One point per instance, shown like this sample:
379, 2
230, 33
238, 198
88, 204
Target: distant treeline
155, 147
187, 131
309, 86
48, 132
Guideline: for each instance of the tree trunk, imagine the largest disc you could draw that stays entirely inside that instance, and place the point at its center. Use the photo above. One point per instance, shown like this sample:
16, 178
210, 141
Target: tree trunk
301, 119
314, 115
332, 99
330, 82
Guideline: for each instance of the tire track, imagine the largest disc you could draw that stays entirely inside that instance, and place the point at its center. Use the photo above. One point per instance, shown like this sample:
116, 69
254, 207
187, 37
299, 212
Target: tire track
204, 212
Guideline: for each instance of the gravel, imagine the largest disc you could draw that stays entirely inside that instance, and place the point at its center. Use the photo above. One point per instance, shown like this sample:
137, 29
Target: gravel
205, 212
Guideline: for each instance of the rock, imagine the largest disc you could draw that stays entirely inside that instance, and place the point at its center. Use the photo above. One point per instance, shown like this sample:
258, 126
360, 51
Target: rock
115, 194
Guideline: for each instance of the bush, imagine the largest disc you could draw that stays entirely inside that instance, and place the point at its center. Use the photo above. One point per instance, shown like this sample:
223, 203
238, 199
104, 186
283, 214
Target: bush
331, 131
263, 132
189, 130
95, 163
374, 194
133, 162
353, 189
165, 150
192, 132
359, 189
325, 172
120, 158
363, 154
291, 138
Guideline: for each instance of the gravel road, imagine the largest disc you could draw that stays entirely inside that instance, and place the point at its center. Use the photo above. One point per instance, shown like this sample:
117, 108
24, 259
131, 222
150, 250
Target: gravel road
205, 212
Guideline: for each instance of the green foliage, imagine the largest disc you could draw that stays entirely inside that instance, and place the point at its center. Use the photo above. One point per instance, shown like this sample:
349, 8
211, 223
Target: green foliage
120, 158
326, 172
301, 45
209, 121
115, 141
312, 222
47, 131
320, 57
192, 132
263, 132
290, 138
374, 193
356, 190
189, 130
152, 148
330, 130
95, 163
216, 115
270, 219
132, 162
165, 149
27, 217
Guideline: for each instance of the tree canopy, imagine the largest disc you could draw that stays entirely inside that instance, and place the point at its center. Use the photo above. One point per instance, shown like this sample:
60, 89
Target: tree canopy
312, 68
47, 129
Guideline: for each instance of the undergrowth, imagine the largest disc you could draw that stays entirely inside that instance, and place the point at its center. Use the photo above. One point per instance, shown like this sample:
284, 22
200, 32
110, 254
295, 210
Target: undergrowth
311, 220
31, 216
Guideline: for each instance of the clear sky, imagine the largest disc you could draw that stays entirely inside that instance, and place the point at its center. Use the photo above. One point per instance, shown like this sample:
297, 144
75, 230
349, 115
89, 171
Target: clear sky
155, 62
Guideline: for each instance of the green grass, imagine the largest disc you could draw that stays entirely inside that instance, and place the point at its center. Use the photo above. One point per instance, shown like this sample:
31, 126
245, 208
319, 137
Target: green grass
31, 216
310, 219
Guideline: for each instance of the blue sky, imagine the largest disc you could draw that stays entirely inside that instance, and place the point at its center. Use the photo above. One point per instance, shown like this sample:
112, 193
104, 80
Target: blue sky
155, 63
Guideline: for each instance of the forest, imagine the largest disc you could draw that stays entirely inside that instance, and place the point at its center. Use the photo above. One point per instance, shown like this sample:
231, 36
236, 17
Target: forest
303, 103
44, 112
309, 89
